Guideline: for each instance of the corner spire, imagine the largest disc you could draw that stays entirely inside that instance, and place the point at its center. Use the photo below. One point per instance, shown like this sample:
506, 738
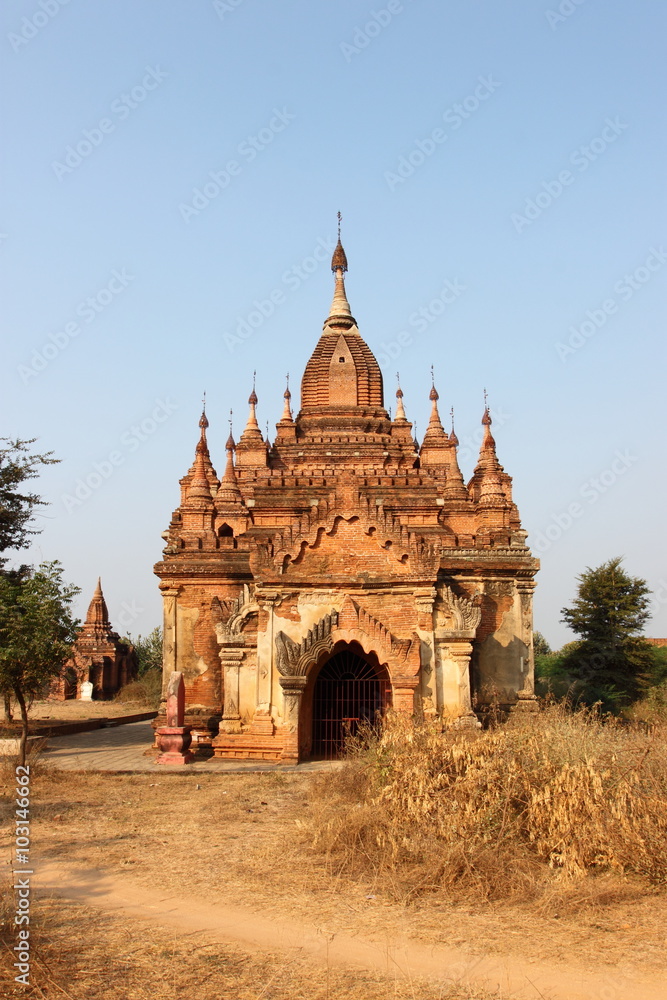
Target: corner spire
488, 442
252, 427
229, 491
400, 410
453, 440
287, 409
199, 488
434, 424
201, 451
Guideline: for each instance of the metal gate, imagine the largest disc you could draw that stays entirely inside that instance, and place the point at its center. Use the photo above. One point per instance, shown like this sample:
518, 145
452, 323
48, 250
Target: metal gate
348, 690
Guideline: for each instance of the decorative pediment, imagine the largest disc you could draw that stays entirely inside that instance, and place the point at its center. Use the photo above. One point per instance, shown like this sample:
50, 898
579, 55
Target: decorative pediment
229, 616
294, 658
351, 623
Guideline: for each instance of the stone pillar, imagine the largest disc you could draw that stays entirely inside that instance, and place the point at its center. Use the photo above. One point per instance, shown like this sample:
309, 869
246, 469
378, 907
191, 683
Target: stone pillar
453, 652
268, 602
404, 694
424, 603
293, 688
230, 659
169, 638
526, 700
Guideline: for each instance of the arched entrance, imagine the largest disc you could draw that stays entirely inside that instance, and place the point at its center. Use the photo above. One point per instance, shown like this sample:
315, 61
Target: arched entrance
351, 687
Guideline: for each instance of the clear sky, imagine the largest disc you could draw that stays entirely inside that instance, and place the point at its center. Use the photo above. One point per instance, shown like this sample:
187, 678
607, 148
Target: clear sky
171, 177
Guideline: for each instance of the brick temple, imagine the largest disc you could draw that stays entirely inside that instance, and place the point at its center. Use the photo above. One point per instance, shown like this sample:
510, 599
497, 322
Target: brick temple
99, 657
343, 568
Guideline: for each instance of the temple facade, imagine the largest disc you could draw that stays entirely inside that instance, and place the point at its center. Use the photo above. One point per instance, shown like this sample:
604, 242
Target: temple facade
343, 569
99, 657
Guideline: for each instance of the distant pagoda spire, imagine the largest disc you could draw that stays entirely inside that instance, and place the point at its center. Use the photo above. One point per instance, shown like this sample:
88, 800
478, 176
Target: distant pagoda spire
98, 614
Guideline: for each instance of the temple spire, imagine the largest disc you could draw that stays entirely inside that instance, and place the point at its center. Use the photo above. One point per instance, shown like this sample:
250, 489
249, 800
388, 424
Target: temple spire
340, 313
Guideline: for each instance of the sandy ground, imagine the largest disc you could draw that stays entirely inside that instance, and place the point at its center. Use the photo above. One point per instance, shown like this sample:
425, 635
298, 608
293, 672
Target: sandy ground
396, 955
76, 710
231, 856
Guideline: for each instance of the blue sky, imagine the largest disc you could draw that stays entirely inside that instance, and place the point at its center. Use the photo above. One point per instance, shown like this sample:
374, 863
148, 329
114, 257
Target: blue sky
172, 173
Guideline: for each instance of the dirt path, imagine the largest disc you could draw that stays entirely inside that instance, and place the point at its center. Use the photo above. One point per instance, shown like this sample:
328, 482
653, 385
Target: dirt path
511, 975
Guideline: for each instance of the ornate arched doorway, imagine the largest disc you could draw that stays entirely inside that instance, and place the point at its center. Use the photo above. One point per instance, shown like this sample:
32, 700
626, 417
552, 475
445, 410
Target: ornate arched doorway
351, 687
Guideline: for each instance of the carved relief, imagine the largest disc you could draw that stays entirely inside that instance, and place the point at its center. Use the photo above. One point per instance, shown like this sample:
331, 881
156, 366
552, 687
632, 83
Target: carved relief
229, 616
457, 612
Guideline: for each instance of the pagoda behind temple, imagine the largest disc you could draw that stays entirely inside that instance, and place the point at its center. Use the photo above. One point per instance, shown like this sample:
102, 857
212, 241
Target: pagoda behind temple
343, 568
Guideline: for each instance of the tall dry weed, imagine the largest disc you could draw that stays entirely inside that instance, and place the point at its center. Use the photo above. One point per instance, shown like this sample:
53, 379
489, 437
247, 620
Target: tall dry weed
490, 813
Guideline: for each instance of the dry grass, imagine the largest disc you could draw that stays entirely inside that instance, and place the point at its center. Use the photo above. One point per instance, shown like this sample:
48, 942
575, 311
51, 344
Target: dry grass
147, 690
247, 840
496, 815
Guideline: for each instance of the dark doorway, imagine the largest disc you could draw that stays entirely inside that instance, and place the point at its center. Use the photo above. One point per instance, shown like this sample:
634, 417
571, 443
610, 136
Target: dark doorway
349, 689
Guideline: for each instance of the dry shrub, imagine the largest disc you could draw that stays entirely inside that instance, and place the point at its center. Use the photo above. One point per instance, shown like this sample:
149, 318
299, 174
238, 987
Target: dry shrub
147, 690
491, 813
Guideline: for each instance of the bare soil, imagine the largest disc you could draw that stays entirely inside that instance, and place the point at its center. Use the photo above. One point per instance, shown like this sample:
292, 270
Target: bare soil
75, 710
135, 859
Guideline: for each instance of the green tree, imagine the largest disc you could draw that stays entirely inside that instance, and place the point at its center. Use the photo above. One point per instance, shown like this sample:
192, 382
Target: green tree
611, 663
540, 645
37, 631
149, 651
18, 506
